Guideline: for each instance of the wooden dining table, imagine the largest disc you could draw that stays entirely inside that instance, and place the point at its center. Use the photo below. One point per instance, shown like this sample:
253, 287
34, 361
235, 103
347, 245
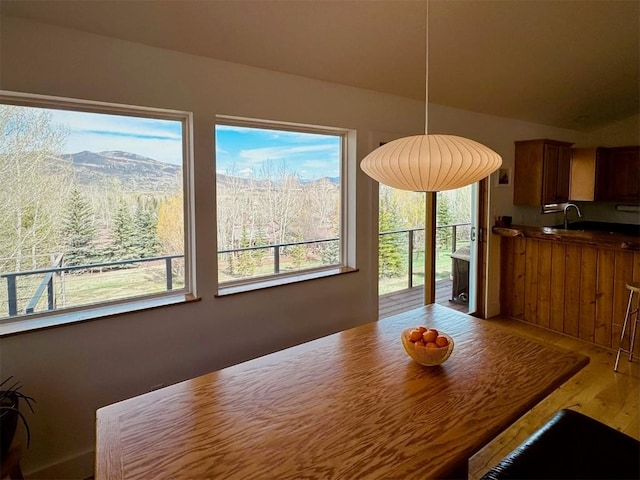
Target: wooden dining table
352, 405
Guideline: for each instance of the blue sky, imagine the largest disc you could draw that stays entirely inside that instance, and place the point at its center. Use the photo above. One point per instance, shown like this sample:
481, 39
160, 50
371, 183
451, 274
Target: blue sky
241, 151
157, 139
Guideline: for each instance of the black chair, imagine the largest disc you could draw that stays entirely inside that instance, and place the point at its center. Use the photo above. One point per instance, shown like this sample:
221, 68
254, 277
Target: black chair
572, 446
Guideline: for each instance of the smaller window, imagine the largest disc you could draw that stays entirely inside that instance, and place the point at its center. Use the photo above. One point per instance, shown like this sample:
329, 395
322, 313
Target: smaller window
280, 200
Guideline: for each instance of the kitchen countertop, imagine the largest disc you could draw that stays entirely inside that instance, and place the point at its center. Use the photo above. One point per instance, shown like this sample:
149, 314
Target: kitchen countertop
589, 237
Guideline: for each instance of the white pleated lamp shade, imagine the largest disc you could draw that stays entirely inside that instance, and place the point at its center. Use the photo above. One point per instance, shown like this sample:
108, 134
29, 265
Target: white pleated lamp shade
430, 163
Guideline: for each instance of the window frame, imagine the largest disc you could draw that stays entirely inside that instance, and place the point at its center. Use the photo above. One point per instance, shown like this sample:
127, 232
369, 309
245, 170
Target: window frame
35, 320
346, 262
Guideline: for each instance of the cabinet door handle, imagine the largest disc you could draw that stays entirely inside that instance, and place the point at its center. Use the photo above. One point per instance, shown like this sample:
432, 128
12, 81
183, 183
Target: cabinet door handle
473, 234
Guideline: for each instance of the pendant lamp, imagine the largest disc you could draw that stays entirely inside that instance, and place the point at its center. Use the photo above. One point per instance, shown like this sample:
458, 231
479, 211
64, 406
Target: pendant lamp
430, 163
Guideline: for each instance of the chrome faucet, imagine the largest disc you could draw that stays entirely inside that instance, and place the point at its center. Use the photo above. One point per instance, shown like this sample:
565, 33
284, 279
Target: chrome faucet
566, 208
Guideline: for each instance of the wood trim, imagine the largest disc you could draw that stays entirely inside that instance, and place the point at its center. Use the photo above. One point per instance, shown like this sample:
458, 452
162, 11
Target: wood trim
430, 249
483, 228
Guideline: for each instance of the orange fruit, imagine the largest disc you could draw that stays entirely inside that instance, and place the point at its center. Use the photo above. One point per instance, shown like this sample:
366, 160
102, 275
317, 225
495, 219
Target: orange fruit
415, 335
422, 329
430, 335
442, 341
432, 345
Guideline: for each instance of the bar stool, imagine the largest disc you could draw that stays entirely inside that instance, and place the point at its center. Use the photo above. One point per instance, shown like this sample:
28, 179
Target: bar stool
634, 287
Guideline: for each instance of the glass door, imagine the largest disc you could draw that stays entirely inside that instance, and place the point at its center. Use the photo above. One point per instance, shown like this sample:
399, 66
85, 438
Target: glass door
456, 248
400, 240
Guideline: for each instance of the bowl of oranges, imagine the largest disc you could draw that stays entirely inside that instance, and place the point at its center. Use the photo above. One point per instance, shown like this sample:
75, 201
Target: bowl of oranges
427, 346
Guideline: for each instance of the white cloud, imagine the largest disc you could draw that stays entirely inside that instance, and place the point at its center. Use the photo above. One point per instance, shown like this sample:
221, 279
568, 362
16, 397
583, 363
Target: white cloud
257, 155
118, 124
153, 138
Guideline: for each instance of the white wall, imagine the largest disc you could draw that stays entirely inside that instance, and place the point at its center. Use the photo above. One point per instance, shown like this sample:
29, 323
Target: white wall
74, 370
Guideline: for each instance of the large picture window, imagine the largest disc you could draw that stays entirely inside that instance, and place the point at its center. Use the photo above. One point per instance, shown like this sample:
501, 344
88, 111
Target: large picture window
92, 205
279, 200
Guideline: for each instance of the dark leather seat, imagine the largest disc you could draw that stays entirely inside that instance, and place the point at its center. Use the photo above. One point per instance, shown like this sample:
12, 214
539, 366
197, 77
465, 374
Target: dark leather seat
572, 446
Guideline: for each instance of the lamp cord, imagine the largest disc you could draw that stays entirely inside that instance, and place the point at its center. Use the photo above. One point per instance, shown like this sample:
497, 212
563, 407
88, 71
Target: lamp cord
426, 80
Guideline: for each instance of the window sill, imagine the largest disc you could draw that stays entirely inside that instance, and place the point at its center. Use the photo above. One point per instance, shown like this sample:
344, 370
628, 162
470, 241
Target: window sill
30, 323
223, 291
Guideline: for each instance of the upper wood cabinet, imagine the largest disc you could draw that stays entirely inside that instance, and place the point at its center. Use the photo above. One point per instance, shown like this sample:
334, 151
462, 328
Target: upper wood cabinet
583, 173
617, 176
541, 173
606, 174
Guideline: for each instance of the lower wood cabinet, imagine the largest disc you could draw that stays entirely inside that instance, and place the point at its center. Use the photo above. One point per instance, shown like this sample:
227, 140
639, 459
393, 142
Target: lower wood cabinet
575, 289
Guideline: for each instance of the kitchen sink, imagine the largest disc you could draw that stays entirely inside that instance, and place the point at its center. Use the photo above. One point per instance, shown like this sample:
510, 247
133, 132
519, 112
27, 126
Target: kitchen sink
623, 228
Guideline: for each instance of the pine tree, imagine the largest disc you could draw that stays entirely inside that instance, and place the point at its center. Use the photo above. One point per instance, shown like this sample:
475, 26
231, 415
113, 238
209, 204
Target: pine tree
123, 234
79, 231
146, 242
390, 257
260, 253
330, 253
298, 252
246, 261
444, 217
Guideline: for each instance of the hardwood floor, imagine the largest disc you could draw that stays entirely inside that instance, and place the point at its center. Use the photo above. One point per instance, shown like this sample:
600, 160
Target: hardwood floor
597, 391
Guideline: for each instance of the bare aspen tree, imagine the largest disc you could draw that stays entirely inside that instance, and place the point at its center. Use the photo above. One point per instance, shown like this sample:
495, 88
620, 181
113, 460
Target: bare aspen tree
33, 186
236, 215
322, 200
283, 200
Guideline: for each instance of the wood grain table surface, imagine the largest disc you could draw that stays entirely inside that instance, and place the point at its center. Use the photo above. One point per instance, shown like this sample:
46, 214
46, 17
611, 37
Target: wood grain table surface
351, 405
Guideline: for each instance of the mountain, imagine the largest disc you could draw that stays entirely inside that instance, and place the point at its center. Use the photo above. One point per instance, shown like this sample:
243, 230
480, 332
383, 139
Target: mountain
333, 180
137, 173
239, 183
226, 181
134, 172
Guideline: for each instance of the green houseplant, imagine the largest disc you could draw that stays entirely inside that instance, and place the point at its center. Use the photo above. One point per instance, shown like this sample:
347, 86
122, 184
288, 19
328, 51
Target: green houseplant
10, 397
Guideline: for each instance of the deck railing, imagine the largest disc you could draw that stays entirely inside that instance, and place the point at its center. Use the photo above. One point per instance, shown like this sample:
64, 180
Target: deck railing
277, 249
443, 236
57, 269
47, 282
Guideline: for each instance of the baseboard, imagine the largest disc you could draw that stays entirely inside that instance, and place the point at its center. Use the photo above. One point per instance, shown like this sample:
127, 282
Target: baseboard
75, 468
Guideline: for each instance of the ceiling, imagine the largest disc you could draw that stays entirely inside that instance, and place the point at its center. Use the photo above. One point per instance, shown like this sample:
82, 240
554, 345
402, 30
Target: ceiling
566, 63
